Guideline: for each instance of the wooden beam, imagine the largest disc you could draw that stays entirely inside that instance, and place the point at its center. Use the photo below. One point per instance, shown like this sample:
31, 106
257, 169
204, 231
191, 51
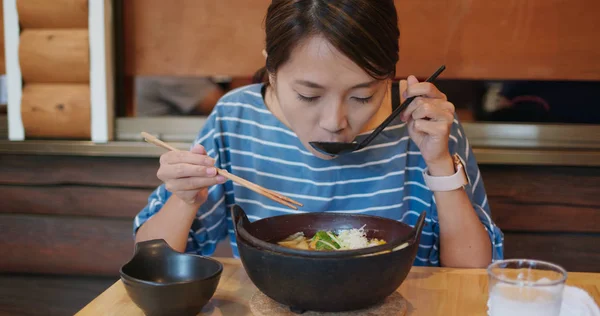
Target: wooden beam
54, 56
56, 110
55, 14
44, 170
73, 200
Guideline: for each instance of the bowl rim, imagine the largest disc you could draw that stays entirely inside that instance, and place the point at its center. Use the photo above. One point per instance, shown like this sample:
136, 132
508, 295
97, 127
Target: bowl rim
367, 251
139, 281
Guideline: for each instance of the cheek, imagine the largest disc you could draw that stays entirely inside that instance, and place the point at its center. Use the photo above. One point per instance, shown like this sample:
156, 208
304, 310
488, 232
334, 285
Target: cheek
360, 114
300, 116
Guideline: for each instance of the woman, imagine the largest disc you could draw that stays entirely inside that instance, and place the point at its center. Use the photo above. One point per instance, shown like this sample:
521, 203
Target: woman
329, 66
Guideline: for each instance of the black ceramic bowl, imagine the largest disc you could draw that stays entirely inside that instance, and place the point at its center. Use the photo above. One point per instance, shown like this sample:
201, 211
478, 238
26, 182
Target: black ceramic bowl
309, 281
162, 281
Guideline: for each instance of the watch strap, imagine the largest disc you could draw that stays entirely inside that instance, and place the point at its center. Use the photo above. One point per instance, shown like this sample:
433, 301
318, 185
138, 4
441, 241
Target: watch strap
448, 183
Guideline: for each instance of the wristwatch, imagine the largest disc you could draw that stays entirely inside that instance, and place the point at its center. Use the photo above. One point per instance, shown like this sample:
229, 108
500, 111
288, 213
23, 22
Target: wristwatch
448, 183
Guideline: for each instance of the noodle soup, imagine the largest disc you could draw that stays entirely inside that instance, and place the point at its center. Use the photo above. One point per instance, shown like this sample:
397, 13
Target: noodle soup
346, 239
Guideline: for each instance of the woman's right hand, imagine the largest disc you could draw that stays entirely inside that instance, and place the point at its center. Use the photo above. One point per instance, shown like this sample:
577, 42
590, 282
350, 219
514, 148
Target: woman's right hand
189, 174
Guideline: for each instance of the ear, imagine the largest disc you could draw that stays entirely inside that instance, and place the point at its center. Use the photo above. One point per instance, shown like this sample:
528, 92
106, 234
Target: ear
264, 53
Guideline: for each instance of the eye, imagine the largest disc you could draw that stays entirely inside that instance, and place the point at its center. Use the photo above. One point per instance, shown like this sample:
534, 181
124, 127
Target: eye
306, 99
363, 100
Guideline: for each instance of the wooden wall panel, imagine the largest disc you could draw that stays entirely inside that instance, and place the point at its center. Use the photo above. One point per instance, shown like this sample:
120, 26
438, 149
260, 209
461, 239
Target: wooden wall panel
536, 39
193, 37
64, 245
60, 210
575, 252
550, 199
35, 295
531, 39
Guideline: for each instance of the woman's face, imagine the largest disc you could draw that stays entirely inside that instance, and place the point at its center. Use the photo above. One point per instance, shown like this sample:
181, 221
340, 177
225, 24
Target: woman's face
323, 95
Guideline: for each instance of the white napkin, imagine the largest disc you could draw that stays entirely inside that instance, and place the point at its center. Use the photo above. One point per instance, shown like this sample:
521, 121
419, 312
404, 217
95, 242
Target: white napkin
575, 302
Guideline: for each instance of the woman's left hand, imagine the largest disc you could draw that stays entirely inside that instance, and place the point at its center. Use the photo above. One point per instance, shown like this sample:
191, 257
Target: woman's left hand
429, 117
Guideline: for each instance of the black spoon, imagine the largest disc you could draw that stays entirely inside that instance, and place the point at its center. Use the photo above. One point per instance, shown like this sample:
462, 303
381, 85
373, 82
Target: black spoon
337, 148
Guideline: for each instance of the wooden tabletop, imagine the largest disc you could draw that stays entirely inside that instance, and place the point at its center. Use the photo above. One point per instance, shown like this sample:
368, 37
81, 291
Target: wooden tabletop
429, 291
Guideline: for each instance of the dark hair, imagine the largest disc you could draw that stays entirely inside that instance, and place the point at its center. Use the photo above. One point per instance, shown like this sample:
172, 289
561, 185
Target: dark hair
366, 31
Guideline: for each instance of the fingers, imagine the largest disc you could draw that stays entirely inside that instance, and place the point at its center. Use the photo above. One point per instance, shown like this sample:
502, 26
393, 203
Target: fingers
443, 111
435, 109
427, 89
193, 183
176, 157
189, 173
198, 149
437, 130
185, 170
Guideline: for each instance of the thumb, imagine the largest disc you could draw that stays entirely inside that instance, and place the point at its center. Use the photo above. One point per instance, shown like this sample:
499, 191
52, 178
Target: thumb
198, 149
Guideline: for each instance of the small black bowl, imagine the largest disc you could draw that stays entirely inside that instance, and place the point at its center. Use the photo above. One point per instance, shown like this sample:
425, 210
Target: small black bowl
310, 281
162, 281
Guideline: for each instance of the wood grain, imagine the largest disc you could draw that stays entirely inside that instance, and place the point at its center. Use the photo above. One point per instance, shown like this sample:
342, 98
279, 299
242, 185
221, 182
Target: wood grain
536, 39
74, 200
54, 56
544, 216
543, 199
429, 291
73, 170
46, 295
500, 40
213, 37
56, 111
53, 14
575, 252
64, 245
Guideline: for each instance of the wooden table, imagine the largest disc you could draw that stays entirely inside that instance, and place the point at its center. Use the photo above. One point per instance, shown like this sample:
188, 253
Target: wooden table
429, 291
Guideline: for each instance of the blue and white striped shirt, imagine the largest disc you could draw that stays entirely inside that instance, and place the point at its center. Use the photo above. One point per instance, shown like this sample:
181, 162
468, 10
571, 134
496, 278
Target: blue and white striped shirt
383, 179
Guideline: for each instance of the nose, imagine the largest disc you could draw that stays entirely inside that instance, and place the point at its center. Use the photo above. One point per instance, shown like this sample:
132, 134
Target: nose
334, 117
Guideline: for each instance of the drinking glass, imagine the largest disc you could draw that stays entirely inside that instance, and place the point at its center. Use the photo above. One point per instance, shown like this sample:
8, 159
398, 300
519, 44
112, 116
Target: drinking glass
525, 287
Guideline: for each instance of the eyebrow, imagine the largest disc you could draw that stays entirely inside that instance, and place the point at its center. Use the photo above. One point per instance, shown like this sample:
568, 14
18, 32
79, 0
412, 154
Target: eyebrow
311, 84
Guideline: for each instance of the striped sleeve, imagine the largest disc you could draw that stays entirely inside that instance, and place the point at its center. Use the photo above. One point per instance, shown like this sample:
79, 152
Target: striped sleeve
210, 224
476, 190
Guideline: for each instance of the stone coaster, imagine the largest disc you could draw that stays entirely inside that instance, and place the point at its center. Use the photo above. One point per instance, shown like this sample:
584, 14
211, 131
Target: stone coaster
262, 305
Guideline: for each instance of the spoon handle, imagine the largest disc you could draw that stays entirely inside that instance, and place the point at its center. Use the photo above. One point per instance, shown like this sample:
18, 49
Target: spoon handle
398, 110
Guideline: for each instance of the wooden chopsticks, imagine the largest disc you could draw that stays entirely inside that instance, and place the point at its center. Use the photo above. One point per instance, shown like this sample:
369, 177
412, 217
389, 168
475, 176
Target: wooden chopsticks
243, 182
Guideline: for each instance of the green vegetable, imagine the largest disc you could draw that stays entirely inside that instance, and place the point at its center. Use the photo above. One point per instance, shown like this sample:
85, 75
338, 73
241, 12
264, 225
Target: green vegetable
324, 242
